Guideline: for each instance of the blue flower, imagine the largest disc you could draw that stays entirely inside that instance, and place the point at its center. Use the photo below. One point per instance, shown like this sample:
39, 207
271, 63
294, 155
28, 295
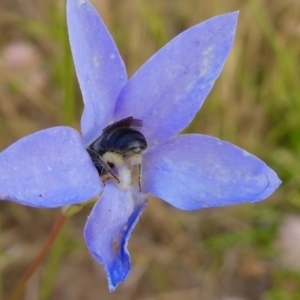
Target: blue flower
52, 168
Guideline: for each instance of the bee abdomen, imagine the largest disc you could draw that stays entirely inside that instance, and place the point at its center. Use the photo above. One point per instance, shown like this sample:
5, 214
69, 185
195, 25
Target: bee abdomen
130, 142
125, 141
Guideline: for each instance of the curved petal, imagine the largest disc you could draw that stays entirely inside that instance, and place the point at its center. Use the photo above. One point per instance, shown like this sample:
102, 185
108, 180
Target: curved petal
169, 89
49, 168
99, 66
108, 229
195, 171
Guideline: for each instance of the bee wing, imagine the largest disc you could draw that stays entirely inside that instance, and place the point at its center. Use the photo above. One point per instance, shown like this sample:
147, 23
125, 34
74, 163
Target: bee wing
128, 122
136, 123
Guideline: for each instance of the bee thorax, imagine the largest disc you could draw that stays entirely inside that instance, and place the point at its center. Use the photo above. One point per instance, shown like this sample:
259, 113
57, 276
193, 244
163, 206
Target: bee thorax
134, 160
114, 158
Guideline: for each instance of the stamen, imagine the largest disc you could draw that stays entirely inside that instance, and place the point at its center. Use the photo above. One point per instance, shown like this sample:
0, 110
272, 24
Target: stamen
124, 176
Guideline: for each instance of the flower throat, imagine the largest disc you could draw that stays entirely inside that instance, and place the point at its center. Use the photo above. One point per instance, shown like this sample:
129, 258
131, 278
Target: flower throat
117, 152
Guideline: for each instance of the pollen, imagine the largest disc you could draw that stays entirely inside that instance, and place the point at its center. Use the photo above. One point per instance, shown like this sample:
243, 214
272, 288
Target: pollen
116, 246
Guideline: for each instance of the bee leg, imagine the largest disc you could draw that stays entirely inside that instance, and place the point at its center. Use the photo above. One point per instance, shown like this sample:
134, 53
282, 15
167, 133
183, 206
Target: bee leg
139, 177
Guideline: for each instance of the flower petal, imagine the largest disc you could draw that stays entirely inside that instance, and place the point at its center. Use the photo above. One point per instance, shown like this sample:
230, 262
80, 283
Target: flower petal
194, 171
108, 229
169, 89
49, 168
99, 66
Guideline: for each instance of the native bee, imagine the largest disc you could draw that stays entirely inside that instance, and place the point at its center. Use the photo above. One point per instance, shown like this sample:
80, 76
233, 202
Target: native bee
120, 144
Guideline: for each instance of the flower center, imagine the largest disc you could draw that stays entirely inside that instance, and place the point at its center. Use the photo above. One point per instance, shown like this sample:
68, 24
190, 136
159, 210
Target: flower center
117, 153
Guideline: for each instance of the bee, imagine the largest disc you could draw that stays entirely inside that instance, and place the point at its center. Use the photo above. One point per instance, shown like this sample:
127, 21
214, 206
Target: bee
119, 145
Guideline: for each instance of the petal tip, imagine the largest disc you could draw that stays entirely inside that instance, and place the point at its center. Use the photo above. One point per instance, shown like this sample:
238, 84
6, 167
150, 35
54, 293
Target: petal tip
231, 20
230, 16
274, 183
117, 276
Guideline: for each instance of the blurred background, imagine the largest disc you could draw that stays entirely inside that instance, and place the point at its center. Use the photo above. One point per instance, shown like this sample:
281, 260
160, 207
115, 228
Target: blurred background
245, 252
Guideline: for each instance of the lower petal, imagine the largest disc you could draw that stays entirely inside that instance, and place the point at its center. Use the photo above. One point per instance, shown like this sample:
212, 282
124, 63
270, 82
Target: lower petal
49, 168
108, 229
194, 171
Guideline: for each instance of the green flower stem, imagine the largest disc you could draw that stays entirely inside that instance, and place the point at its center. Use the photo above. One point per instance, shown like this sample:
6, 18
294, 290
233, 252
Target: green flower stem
44, 251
